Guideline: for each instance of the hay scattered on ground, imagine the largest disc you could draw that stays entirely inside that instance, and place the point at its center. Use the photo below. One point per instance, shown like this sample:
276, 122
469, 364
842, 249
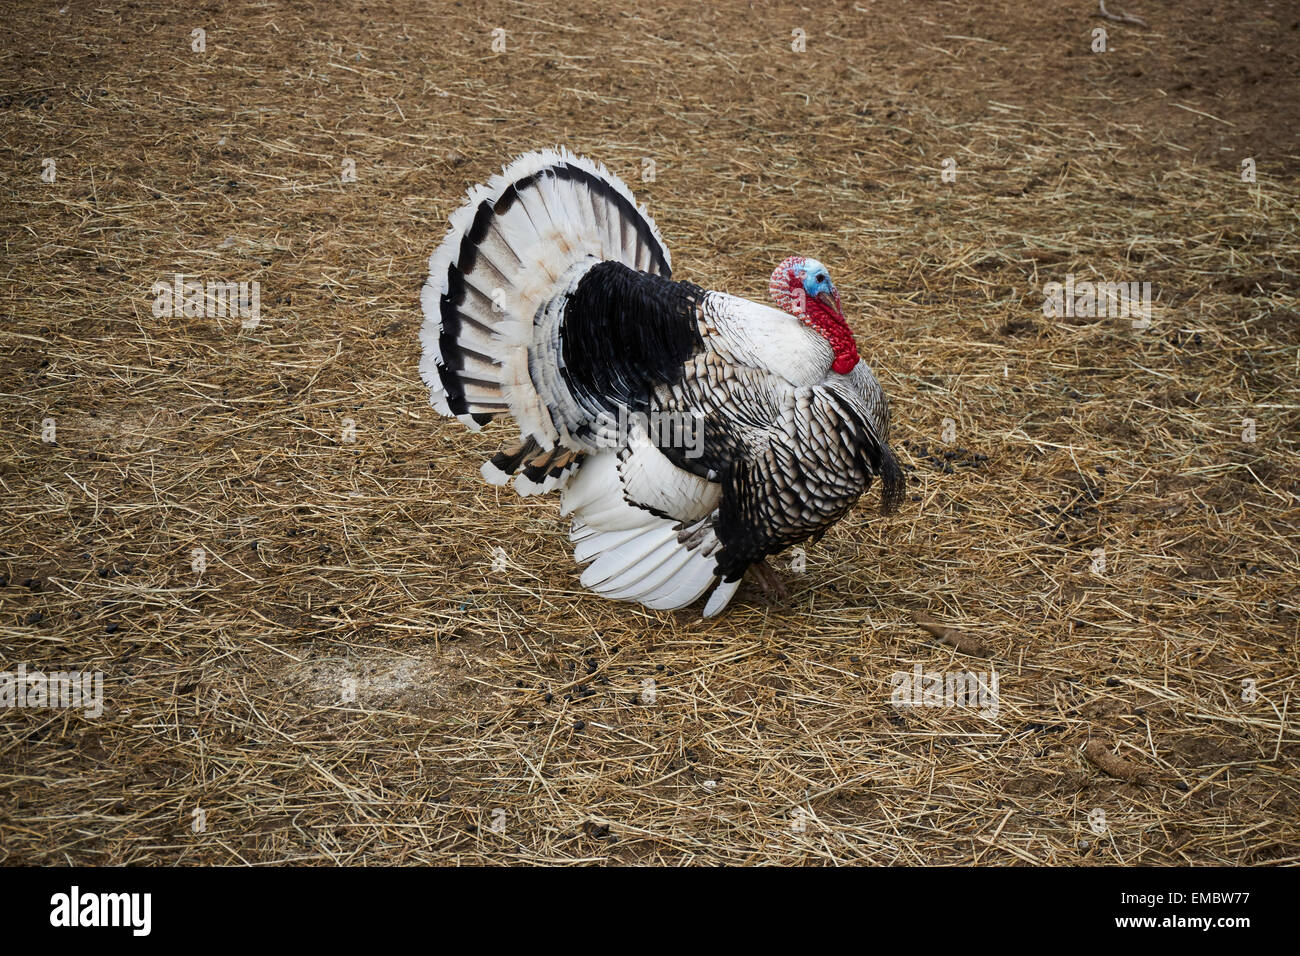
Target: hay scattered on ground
1147, 708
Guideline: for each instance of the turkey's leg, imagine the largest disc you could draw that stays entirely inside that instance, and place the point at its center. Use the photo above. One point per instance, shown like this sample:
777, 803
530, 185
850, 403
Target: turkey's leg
767, 578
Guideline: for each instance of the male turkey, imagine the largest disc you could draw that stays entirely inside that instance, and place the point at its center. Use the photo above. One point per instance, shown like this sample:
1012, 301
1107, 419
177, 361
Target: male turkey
550, 301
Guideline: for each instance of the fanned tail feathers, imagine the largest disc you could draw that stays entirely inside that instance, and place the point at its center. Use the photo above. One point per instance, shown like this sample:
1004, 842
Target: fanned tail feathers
503, 259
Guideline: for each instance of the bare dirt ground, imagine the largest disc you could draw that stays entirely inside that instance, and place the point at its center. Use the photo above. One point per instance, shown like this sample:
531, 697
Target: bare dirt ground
348, 679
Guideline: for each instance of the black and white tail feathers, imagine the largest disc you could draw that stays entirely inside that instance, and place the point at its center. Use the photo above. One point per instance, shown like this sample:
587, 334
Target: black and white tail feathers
547, 216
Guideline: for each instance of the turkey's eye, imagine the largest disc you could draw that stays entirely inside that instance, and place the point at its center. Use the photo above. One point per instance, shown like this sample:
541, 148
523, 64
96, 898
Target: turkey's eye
821, 278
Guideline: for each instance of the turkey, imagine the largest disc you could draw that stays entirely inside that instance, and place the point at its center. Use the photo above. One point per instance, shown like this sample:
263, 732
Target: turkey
690, 433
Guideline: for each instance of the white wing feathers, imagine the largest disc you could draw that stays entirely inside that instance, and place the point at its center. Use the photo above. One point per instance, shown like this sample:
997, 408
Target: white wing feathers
654, 482
635, 555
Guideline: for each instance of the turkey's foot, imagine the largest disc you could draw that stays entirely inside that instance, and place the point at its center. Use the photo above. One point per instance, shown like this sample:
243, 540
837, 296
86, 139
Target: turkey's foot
769, 581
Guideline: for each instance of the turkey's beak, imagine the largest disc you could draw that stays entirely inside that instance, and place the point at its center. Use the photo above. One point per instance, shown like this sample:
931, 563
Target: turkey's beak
828, 300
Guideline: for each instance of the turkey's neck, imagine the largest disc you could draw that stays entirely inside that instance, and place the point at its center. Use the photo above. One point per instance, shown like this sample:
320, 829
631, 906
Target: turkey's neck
836, 331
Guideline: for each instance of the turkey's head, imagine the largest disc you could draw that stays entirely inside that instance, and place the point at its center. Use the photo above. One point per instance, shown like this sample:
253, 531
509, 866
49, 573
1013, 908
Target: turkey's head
803, 288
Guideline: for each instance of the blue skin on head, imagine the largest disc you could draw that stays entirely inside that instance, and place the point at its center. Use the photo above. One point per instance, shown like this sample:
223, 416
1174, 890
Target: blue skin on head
816, 279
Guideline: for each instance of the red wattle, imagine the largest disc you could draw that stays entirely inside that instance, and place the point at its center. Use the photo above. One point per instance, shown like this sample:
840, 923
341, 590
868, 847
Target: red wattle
836, 331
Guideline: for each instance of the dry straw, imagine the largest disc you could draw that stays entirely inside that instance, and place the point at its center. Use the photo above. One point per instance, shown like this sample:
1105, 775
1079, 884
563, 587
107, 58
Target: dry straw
349, 680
